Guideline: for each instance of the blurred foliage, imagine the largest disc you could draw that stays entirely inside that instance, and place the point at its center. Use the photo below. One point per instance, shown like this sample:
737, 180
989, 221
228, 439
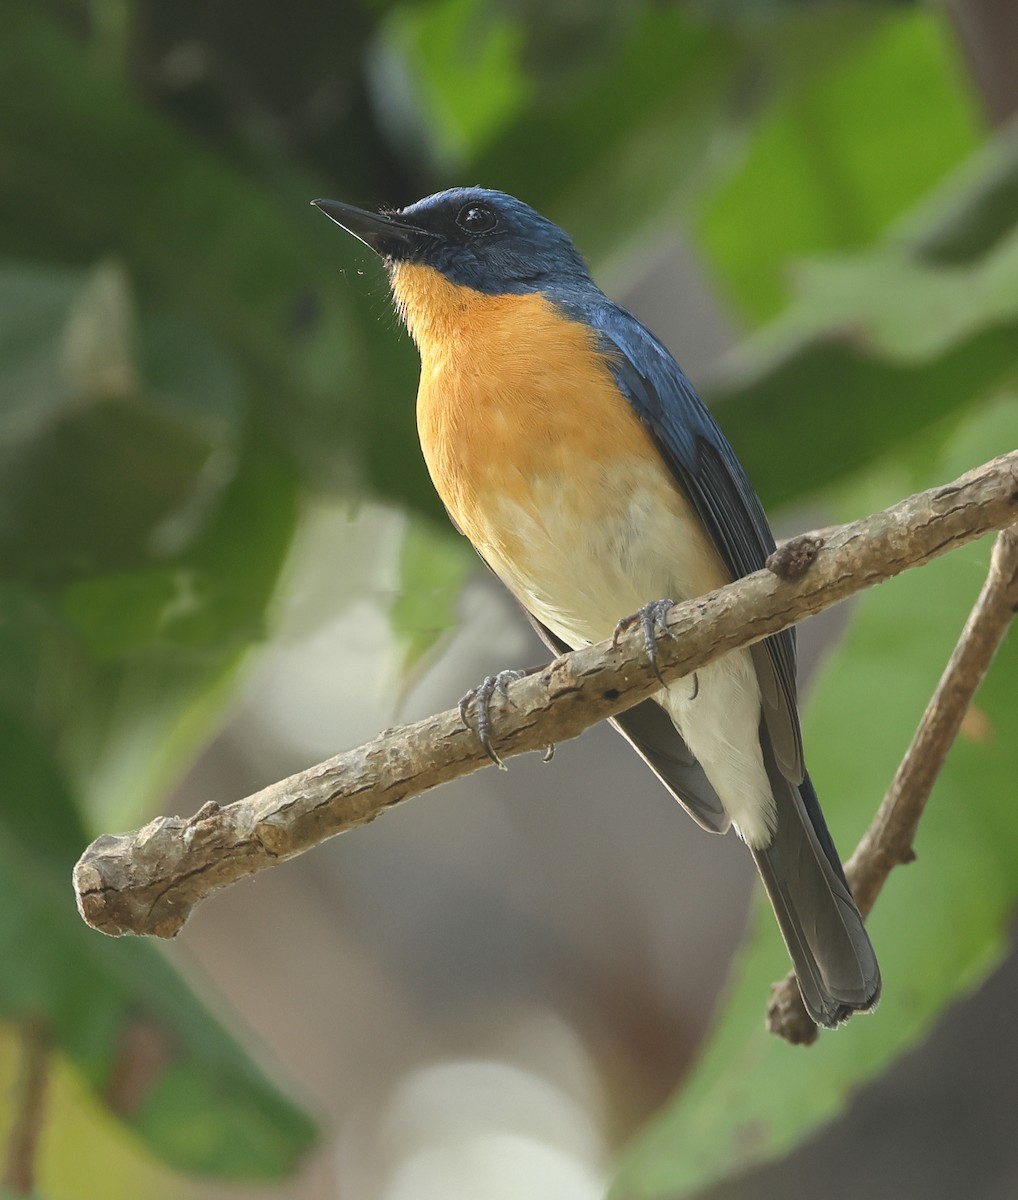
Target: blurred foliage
117, 1009
432, 568
186, 351
879, 346
825, 167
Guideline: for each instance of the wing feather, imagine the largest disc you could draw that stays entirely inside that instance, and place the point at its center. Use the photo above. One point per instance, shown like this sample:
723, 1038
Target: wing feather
705, 467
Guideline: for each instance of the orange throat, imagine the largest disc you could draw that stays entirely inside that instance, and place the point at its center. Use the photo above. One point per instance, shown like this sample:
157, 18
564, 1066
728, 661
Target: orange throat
541, 461
433, 308
512, 393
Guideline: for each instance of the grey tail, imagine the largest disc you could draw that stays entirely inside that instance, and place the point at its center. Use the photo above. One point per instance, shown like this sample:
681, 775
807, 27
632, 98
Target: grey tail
801, 871
834, 961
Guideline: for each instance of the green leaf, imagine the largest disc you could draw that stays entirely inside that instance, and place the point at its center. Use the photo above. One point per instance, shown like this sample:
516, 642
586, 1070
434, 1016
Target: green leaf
101, 466
99, 349
156, 651
941, 923
628, 136
259, 272
148, 526
898, 307
433, 565
202, 1103
974, 209
34, 307
840, 156
447, 78
879, 347
827, 408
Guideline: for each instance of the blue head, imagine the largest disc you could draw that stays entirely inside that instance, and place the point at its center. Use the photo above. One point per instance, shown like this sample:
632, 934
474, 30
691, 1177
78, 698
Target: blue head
480, 239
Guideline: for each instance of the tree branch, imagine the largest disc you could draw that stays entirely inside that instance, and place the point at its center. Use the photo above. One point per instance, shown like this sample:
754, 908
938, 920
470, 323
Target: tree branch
149, 881
19, 1170
888, 841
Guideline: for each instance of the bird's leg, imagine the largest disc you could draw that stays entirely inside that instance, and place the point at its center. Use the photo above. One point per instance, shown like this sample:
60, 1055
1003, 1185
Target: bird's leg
480, 697
652, 619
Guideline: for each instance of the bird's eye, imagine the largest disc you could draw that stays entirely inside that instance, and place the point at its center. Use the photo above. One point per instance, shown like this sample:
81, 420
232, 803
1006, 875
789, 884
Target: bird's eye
476, 218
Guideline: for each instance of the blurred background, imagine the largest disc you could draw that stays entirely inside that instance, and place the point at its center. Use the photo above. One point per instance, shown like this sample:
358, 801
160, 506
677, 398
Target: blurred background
221, 561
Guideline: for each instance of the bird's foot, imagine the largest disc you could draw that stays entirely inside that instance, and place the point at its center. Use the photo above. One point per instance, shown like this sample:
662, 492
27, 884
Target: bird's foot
652, 619
480, 697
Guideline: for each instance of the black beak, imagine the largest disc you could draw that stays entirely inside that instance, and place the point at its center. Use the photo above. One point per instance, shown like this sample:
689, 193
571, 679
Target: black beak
385, 235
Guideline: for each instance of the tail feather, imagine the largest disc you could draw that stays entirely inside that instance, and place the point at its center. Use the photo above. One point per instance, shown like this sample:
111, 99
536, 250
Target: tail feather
822, 927
802, 874
801, 871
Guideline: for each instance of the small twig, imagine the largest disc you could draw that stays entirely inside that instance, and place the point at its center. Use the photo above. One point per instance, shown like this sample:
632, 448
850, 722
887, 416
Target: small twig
149, 881
29, 1095
887, 842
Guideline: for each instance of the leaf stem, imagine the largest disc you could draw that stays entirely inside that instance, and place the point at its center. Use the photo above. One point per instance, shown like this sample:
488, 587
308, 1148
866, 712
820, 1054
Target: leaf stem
30, 1093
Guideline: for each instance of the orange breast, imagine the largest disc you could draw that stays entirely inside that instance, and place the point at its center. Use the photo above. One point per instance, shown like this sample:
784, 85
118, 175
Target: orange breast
511, 392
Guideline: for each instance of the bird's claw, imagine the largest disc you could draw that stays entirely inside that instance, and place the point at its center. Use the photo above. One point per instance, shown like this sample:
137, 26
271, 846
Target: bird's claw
652, 619
480, 697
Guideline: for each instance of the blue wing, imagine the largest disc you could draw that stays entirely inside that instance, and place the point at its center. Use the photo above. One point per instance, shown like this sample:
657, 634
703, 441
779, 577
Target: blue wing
705, 467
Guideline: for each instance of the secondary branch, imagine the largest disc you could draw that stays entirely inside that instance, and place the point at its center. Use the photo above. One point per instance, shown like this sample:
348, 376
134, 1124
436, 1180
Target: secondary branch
888, 841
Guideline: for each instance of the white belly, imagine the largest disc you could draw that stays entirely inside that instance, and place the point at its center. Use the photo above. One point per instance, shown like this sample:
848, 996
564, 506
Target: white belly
581, 563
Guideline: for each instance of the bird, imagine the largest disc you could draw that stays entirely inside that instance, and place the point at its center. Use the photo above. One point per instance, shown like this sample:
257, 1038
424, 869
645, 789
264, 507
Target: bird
570, 448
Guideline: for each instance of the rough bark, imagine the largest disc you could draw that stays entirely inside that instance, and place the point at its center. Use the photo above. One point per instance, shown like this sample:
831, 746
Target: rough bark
147, 882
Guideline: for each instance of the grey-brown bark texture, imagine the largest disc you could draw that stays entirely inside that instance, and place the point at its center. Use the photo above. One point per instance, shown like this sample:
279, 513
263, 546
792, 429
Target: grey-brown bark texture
147, 882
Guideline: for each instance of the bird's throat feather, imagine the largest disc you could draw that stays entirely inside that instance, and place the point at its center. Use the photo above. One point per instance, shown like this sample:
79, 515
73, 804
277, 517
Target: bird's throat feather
512, 392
